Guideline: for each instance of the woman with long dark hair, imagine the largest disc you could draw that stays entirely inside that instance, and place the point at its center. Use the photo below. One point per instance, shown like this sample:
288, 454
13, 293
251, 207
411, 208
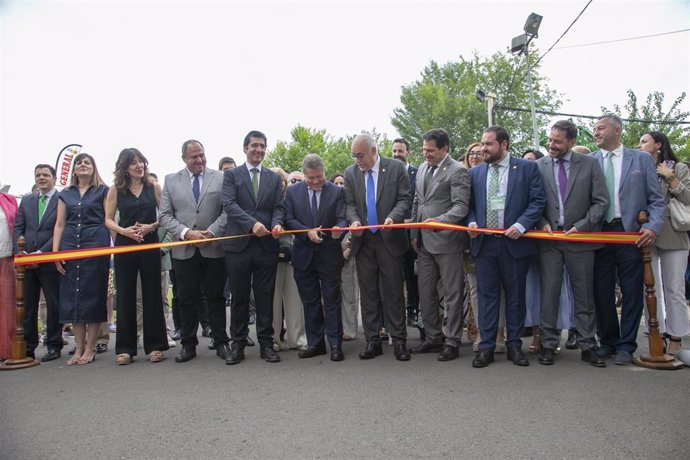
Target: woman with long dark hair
136, 196
670, 253
84, 282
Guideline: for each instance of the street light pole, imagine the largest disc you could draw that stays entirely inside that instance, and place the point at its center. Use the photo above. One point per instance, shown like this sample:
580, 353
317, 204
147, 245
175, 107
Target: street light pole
535, 133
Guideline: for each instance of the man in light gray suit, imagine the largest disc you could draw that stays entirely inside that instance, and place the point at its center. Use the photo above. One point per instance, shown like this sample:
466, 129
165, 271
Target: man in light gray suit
576, 199
191, 209
442, 194
633, 186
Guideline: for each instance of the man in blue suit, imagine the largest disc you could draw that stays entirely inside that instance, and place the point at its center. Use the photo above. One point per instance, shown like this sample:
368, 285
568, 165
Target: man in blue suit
507, 193
253, 201
317, 258
633, 186
35, 222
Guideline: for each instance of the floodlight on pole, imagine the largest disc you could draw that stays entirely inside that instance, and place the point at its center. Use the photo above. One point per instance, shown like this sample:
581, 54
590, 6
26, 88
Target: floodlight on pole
490, 99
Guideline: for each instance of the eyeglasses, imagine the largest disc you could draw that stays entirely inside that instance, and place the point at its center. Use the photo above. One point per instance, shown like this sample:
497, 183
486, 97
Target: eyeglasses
294, 181
474, 154
357, 156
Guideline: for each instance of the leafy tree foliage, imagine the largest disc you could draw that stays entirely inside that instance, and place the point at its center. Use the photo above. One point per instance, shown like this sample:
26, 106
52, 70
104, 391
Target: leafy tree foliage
444, 97
664, 120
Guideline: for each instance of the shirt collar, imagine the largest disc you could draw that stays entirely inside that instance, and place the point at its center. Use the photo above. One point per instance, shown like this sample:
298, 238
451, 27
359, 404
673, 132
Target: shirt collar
618, 151
250, 167
49, 194
565, 158
505, 162
191, 174
377, 163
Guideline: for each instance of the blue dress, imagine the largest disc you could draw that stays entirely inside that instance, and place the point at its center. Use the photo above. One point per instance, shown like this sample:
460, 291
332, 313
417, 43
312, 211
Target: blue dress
84, 288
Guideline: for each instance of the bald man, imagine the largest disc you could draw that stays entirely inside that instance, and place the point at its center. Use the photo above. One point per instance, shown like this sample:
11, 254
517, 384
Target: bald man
377, 191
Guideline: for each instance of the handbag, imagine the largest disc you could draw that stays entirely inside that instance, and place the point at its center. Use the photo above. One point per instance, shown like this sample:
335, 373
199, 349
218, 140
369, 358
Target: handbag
680, 215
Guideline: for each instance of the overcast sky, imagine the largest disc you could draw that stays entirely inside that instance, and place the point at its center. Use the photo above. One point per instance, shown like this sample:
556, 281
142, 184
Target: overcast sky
151, 74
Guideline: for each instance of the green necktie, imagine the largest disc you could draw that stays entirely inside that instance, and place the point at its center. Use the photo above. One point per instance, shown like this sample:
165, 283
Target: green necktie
492, 215
611, 187
41, 207
255, 182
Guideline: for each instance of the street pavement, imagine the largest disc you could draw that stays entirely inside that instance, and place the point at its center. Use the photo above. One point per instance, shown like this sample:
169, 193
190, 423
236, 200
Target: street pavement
314, 408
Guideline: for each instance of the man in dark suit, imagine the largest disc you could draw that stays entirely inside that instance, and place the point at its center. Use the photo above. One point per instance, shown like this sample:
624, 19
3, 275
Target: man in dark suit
191, 209
576, 199
35, 222
507, 193
317, 258
377, 191
253, 202
633, 186
401, 151
442, 195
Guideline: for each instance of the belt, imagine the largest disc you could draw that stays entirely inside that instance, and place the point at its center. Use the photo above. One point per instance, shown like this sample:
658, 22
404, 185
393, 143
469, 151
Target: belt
616, 221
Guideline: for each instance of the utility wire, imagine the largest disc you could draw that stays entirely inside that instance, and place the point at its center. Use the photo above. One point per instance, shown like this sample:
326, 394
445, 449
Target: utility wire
623, 39
592, 117
563, 34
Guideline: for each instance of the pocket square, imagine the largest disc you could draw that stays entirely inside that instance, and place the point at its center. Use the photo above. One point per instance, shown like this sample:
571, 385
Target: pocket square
636, 172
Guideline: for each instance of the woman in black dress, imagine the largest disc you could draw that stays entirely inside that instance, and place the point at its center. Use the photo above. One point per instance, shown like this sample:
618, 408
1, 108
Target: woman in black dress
136, 197
84, 282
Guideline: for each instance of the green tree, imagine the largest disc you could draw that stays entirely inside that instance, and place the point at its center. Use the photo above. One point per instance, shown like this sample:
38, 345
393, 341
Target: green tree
663, 120
444, 97
334, 151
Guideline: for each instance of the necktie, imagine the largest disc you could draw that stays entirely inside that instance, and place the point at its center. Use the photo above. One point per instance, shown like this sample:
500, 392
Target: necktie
314, 208
372, 217
41, 207
491, 214
195, 188
255, 182
611, 187
562, 178
427, 178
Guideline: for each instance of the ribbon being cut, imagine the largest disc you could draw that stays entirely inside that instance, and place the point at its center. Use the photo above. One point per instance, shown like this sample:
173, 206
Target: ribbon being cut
584, 237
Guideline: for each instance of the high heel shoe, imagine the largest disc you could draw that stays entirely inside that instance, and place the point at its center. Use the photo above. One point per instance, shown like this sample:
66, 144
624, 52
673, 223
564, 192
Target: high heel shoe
535, 346
83, 361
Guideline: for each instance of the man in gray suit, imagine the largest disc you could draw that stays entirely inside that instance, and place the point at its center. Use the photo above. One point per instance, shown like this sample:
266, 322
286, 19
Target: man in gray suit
633, 186
191, 209
576, 199
442, 194
377, 191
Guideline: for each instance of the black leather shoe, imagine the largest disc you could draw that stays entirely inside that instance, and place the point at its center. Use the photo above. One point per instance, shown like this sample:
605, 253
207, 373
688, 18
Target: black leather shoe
337, 354
545, 356
176, 335
401, 353
516, 355
590, 356
212, 345
372, 350
311, 352
222, 350
426, 347
449, 353
269, 355
605, 351
50, 356
250, 342
571, 343
206, 331
185, 355
483, 358
235, 356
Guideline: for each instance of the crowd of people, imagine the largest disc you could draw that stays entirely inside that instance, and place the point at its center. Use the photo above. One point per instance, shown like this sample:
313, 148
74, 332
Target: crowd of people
300, 256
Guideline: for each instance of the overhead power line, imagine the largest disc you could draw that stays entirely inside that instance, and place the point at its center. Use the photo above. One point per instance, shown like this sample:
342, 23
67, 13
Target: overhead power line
563, 34
592, 117
623, 39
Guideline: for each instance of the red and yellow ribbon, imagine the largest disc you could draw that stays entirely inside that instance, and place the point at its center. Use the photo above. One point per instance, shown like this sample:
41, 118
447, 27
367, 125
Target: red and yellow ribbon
72, 254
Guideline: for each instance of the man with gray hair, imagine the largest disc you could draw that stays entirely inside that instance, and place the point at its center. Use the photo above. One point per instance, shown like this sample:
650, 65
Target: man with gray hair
317, 257
377, 191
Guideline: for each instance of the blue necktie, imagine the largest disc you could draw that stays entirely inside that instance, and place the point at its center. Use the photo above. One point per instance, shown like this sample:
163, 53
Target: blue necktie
372, 217
195, 188
314, 208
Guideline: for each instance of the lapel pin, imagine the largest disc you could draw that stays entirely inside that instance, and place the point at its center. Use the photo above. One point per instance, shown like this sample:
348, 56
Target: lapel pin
383, 170
445, 167
514, 166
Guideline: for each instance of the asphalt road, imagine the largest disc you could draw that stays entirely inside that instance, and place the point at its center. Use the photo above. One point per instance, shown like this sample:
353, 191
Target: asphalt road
314, 408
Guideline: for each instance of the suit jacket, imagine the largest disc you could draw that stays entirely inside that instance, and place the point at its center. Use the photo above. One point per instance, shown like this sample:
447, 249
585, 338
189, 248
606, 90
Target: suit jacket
178, 210
586, 199
298, 217
39, 237
412, 177
244, 211
392, 200
639, 190
524, 204
669, 238
446, 200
